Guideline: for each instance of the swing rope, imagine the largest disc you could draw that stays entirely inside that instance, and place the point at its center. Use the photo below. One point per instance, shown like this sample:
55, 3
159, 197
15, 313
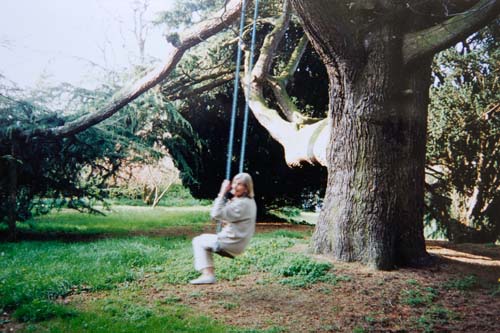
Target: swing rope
235, 96
235, 91
250, 68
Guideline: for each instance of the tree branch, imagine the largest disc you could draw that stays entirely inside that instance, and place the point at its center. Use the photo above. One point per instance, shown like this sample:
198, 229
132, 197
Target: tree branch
178, 86
271, 42
184, 93
278, 128
429, 41
301, 143
294, 60
278, 86
187, 40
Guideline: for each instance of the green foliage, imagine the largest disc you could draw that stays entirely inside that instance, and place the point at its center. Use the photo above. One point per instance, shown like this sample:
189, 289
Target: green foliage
464, 140
73, 171
186, 12
159, 123
434, 316
412, 282
419, 297
40, 310
67, 171
466, 283
302, 272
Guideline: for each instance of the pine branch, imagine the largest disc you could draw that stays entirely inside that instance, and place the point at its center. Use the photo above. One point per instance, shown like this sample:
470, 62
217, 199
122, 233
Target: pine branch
185, 41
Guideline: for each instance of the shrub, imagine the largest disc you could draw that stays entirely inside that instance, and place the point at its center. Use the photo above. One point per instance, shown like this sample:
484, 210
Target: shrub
417, 297
466, 283
303, 271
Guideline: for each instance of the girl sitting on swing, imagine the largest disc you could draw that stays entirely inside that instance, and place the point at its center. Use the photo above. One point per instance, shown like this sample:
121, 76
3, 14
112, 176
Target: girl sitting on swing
238, 215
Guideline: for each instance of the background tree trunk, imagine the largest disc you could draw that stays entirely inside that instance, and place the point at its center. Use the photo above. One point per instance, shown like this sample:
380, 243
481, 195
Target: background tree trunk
12, 198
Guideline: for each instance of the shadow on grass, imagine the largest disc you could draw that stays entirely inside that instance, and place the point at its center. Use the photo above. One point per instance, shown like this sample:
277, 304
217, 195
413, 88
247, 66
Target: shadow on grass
473, 249
70, 237
468, 259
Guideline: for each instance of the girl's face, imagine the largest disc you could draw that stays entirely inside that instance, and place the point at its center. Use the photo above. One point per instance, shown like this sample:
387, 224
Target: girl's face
238, 188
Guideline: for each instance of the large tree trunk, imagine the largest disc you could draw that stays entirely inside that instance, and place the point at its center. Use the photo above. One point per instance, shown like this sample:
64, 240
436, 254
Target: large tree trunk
374, 199
373, 206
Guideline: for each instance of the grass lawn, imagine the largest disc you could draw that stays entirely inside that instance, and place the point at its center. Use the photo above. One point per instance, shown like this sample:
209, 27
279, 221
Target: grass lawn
122, 279
120, 219
37, 276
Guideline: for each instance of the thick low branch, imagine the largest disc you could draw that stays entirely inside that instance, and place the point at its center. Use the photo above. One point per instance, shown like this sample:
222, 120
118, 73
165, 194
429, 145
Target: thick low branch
429, 41
301, 143
271, 42
283, 99
278, 85
188, 39
293, 62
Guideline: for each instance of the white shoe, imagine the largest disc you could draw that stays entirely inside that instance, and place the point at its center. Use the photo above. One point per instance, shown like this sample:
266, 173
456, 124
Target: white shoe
204, 279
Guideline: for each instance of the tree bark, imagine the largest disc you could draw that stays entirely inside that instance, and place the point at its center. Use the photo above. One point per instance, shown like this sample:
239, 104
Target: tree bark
12, 198
374, 199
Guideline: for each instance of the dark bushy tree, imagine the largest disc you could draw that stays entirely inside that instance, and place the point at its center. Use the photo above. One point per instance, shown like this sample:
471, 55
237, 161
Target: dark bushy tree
275, 181
45, 172
40, 173
464, 139
204, 87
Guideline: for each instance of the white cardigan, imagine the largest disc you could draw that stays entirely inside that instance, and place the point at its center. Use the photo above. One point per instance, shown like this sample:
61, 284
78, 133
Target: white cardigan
239, 215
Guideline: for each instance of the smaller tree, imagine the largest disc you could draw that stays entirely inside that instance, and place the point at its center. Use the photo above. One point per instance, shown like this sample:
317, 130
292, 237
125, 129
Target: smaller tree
157, 180
464, 140
148, 181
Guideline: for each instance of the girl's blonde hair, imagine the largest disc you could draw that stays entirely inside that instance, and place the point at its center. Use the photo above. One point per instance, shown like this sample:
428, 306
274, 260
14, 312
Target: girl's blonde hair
246, 179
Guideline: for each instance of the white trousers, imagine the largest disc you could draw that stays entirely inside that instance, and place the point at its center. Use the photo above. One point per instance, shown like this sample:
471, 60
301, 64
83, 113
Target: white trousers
203, 245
